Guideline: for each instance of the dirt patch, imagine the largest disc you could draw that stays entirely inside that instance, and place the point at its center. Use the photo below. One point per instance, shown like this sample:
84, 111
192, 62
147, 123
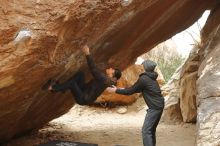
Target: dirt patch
107, 128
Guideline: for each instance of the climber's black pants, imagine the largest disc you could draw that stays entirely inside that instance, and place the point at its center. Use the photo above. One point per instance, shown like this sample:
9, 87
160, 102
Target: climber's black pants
149, 128
76, 84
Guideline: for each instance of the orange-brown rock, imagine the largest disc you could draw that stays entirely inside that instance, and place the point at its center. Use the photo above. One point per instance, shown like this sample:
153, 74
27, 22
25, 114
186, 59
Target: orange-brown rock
41, 39
131, 74
129, 77
116, 98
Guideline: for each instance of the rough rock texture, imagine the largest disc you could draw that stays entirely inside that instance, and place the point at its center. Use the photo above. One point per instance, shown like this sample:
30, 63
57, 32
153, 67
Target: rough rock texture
208, 84
171, 92
116, 98
41, 40
200, 85
188, 91
180, 92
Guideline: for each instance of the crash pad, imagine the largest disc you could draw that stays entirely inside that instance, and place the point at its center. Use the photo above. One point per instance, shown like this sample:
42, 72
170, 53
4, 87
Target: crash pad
66, 143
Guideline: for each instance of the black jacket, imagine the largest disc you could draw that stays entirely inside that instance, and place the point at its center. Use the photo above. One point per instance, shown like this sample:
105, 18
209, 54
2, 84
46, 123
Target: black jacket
149, 87
98, 84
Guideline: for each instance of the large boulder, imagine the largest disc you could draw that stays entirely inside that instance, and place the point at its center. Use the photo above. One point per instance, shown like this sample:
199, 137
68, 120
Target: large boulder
171, 93
199, 84
42, 39
180, 91
208, 84
118, 99
188, 77
209, 99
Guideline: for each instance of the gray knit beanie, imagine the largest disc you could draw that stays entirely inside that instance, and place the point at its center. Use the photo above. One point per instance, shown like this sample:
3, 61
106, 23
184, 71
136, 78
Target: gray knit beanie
149, 65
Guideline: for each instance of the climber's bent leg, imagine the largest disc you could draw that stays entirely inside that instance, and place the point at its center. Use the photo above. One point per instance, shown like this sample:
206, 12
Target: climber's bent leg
78, 95
77, 80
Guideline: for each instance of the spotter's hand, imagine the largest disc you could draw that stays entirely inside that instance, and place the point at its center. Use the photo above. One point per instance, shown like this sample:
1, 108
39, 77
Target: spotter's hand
111, 89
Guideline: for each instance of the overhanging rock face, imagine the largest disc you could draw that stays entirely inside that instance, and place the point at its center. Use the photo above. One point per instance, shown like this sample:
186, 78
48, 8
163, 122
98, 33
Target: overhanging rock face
42, 39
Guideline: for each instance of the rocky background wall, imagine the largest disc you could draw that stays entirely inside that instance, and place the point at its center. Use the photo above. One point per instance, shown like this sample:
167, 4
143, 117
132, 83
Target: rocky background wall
208, 83
195, 87
42, 39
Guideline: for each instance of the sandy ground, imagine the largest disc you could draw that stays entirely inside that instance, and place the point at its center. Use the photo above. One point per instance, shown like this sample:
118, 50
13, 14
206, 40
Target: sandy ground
107, 128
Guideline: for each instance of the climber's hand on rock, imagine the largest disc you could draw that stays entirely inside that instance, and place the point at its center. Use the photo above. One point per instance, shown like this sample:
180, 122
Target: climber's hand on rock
85, 50
50, 88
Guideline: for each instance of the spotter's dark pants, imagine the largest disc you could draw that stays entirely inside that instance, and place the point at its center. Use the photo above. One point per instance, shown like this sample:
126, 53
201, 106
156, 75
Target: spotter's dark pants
149, 127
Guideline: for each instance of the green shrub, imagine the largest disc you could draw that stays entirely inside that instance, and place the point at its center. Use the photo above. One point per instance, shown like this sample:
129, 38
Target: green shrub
167, 58
168, 67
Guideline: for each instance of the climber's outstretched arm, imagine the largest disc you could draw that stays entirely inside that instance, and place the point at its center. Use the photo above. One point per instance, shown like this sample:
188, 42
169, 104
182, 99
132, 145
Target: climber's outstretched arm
96, 72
